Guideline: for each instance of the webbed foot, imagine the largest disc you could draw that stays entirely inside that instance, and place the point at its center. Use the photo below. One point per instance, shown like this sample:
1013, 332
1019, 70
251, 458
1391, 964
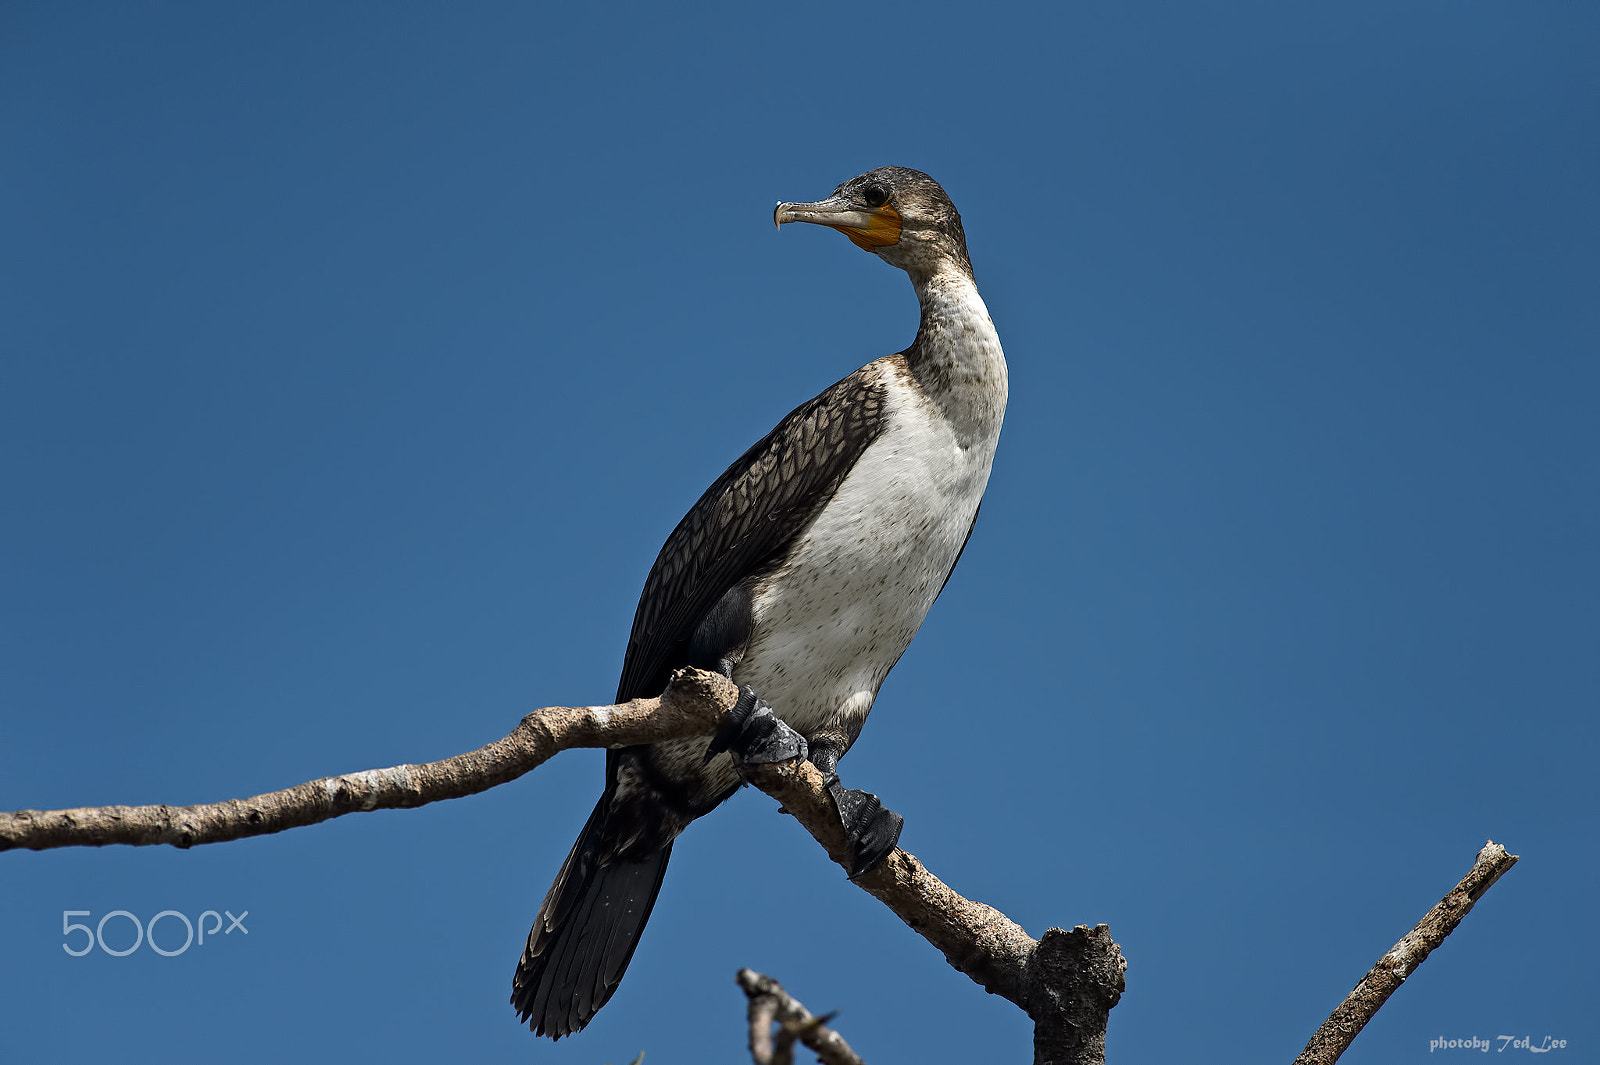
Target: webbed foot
872, 828
755, 734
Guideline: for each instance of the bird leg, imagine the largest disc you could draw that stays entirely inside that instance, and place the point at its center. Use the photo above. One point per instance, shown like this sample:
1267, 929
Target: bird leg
755, 734
871, 827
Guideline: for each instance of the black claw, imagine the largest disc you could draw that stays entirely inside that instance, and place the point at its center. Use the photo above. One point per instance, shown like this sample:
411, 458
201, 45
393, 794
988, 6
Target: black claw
733, 724
755, 734
873, 829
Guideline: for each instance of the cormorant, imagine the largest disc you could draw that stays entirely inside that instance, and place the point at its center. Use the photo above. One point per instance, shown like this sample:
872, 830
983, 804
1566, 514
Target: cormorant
802, 574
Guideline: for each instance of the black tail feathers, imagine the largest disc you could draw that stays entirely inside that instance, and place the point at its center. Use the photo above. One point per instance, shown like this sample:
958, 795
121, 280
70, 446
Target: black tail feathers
585, 933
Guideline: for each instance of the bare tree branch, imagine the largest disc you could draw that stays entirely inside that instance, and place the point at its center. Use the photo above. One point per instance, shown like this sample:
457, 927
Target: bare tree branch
1067, 983
693, 704
1401, 961
976, 939
770, 1003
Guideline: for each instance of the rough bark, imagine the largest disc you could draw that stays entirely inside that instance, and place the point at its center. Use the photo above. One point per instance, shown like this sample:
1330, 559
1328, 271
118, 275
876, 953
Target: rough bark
1402, 959
1073, 981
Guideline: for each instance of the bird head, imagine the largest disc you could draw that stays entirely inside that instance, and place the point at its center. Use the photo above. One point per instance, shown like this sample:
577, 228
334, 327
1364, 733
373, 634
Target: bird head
900, 215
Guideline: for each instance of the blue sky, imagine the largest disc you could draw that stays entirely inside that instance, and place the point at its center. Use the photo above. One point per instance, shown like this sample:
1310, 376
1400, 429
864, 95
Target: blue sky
356, 362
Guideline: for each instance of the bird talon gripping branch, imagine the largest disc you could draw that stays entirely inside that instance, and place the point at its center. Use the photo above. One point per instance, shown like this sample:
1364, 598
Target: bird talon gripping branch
755, 735
873, 829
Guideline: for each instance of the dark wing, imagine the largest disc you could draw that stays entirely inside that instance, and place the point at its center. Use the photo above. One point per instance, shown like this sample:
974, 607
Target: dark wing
746, 520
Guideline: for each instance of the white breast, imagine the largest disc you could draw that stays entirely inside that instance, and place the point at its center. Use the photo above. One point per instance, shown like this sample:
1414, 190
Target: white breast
832, 622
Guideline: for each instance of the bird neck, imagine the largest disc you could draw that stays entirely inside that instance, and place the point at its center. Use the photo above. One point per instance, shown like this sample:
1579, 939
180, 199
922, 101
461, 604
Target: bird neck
956, 356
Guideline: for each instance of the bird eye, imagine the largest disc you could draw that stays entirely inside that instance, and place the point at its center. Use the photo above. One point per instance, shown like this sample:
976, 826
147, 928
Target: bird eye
876, 196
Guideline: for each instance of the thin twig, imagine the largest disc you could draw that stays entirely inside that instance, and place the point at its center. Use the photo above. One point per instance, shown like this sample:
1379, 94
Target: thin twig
1403, 958
693, 704
797, 1022
763, 1012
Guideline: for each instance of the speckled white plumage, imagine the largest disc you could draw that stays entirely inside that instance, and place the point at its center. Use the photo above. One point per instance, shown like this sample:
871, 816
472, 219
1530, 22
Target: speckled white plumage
835, 617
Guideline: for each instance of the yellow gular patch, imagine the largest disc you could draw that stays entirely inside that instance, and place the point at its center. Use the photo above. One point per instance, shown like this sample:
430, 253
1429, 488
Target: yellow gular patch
882, 231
